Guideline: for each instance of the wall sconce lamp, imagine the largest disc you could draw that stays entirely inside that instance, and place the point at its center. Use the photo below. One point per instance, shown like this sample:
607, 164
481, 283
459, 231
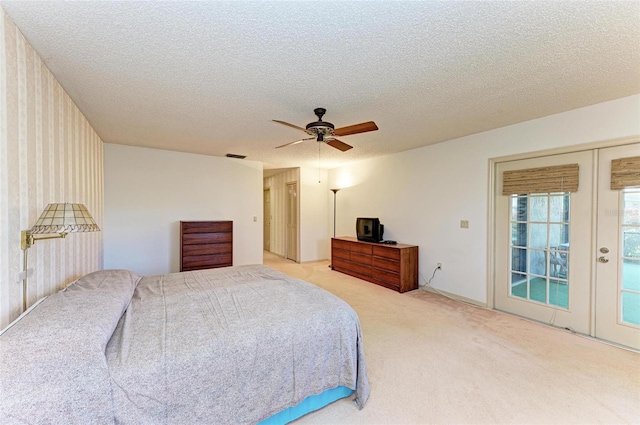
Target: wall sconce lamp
57, 220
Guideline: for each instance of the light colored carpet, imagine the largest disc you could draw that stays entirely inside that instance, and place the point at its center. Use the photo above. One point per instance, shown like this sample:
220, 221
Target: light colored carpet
432, 360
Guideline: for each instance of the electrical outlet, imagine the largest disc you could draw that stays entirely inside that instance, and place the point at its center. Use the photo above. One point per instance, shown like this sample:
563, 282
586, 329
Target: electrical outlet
464, 224
439, 266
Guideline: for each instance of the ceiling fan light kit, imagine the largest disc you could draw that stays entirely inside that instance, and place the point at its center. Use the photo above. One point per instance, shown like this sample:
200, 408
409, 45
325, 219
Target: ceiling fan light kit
325, 132
320, 127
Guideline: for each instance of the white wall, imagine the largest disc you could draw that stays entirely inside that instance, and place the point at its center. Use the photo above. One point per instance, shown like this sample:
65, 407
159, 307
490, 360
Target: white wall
314, 223
421, 195
149, 191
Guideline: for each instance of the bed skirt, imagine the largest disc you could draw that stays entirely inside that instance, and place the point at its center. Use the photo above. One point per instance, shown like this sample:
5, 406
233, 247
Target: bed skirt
308, 405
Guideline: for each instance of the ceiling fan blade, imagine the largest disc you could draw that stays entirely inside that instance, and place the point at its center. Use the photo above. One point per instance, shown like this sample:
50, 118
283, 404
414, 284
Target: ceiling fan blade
289, 125
339, 145
296, 142
356, 128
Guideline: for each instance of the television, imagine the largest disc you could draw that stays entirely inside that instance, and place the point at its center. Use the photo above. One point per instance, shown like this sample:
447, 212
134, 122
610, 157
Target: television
369, 229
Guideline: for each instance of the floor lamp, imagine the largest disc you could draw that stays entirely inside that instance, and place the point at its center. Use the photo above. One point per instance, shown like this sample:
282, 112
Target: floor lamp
334, 216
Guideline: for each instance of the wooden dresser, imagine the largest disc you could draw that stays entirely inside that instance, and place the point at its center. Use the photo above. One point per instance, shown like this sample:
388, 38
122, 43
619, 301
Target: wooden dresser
205, 244
392, 266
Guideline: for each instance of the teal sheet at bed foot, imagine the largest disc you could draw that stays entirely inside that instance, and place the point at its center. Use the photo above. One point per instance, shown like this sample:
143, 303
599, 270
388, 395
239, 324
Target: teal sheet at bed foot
308, 405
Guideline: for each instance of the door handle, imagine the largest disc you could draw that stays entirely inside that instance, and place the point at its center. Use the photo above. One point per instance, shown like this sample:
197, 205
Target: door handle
603, 259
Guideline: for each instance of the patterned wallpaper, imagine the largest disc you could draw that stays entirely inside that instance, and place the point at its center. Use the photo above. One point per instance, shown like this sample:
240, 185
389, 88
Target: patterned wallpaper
48, 153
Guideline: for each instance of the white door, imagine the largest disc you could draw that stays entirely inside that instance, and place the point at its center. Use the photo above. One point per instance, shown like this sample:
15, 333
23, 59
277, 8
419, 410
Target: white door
617, 255
572, 259
292, 222
542, 241
266, 237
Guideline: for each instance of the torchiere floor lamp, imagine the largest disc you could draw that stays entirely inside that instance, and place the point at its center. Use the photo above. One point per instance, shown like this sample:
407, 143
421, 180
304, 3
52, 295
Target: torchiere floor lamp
334, 216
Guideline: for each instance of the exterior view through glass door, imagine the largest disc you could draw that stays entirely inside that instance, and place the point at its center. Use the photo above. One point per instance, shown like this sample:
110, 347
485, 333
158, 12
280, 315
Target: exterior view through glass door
570, 257
539, 248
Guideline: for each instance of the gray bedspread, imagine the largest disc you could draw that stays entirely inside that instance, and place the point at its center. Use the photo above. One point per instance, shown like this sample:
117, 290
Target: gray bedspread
52, 364
232, 345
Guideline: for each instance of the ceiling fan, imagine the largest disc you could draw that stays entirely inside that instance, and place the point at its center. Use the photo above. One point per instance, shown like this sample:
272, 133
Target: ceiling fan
323, 131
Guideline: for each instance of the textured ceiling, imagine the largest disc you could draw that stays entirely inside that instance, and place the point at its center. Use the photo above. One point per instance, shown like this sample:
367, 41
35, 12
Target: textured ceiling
208, 77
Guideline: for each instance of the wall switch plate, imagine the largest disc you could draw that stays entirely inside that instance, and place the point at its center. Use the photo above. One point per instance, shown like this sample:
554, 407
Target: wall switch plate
255, 218
464, 224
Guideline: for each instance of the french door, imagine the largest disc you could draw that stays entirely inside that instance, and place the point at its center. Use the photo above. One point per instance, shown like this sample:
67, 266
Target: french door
571, 258
617, 255
542, 248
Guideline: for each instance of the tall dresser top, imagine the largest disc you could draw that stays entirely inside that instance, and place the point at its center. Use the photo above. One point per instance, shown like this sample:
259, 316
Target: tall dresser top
388, 245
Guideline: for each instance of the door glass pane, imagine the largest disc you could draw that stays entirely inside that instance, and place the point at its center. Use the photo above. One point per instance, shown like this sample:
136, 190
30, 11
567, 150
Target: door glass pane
558, 293
538, 289
559, 208
631, 241
519, 260
540, 248
630, 279
538, 236
558, 264
538, 262
519, 234
559, 236
631, 308
518, 208
519, 285
631, 275
631, 206
538, 207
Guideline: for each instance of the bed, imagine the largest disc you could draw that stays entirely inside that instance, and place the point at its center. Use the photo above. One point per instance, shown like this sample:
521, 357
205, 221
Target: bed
239, 345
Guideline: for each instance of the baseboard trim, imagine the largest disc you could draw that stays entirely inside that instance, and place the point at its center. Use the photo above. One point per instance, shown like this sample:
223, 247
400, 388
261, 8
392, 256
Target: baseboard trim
570, 331
454, 297
323, 260
298, 262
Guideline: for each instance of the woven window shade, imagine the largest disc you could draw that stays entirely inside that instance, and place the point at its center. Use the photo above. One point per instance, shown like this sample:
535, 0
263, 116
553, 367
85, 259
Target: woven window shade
625, 172
559, 178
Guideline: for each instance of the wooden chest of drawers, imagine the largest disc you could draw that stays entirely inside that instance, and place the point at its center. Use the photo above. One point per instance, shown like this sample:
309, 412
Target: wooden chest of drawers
205, 244
392, 266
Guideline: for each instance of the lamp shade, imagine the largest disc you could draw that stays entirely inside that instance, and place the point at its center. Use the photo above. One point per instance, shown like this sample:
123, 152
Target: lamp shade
65, 218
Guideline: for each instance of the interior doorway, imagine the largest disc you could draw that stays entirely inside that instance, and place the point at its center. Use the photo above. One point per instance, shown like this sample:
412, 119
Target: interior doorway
291, 221
565, 254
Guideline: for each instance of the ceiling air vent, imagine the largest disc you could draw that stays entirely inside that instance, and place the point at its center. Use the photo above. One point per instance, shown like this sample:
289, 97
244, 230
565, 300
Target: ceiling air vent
233, 155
